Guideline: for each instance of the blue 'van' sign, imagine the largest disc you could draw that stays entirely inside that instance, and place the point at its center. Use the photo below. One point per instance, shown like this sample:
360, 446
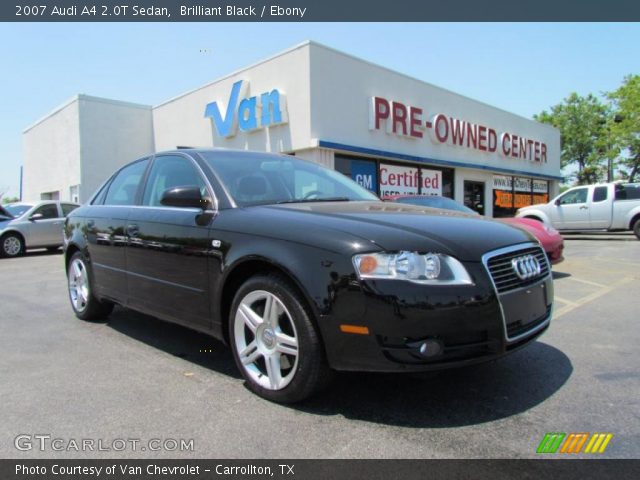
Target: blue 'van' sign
250, 114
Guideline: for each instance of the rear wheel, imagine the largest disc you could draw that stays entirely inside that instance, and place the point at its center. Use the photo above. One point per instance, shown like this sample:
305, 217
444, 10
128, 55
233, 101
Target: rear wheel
275, 344
85, 305
636, 228
11, 245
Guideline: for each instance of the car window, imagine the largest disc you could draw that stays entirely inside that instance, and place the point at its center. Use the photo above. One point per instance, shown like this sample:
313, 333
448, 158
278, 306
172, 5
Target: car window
67, 208
255, 179
49, 210
579, 195
123, 188
630, 191
169, 172
600, 194
435, 201
17, 209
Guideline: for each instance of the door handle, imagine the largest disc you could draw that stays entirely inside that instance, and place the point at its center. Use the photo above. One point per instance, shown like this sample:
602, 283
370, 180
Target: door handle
584, 208
132, 230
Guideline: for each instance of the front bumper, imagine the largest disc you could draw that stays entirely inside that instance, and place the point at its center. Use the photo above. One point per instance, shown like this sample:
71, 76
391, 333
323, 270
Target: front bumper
466, 324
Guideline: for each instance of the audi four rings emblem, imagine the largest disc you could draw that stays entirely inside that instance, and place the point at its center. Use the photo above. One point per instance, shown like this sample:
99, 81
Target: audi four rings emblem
526, 267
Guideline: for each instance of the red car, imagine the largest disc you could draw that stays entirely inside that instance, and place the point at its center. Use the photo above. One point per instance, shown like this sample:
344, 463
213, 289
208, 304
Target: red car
549, 237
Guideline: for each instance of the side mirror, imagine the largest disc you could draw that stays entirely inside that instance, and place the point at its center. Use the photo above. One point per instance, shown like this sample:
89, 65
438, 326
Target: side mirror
557, 202
184, 197
36, 216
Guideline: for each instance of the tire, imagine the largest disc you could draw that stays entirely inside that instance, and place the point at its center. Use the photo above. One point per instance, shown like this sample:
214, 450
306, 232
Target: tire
282, 355
636, 229
84, 303
11, 245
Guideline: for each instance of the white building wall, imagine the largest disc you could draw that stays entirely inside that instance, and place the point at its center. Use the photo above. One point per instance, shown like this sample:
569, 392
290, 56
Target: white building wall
112, 134
52, 154
181, 121
341, 90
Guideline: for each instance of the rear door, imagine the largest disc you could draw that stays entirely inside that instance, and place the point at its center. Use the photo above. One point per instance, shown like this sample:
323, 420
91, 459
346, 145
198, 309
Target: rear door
600, 210
167, 257
106, 230
572, 210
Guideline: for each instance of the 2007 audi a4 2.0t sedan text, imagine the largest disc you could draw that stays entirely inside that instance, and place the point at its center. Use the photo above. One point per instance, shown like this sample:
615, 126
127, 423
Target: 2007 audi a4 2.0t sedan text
302, 271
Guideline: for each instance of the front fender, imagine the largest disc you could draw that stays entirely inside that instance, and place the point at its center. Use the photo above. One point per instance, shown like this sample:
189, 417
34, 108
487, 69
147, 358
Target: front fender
316, 272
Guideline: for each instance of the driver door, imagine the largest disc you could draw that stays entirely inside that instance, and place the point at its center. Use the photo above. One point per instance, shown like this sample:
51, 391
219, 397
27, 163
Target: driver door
572, 210
168, 252
46, 230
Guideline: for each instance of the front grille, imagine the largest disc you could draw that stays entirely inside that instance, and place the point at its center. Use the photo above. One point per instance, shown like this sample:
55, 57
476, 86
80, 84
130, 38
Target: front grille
504, 276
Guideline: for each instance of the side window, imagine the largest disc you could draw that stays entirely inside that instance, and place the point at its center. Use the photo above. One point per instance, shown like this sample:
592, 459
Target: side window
628, 192
579, 195
169, 172
123, 188
600, 194
49, 210
67, 208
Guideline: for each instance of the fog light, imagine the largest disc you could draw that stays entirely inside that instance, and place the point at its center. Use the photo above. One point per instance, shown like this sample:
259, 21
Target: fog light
430, 348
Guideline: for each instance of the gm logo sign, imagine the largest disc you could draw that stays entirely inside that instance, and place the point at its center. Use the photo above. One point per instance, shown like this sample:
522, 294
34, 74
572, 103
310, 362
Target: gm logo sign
247, 113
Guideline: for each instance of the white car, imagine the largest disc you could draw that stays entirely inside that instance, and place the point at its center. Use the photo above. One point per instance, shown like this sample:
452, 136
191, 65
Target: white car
608, 206
32, 225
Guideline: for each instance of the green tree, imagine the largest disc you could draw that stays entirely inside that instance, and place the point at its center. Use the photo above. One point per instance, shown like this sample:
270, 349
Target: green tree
584, 134
626, 124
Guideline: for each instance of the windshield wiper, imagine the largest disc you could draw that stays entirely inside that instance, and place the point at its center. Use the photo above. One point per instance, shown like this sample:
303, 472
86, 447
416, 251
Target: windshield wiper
310, 200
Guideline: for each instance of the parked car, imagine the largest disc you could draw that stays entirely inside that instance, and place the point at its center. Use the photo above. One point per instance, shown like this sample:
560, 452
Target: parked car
609, 206
24, 226
302, 271
550, 239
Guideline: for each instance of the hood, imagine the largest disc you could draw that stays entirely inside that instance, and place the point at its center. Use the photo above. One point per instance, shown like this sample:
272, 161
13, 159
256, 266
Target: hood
363, 226
4, 215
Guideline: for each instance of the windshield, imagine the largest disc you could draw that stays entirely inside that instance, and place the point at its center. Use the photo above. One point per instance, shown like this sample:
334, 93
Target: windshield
436, 202
257, 179
17, 209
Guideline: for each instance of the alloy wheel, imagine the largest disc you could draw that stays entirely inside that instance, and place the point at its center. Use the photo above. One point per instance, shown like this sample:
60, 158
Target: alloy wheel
11, 246
266, 340
78, 284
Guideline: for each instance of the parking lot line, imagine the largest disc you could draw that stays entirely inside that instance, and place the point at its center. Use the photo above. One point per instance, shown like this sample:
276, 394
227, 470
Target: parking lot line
564, 300
589, 298
588, 282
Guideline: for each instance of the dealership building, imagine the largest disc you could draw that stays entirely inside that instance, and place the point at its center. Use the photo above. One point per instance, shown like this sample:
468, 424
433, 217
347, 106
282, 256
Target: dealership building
391, 133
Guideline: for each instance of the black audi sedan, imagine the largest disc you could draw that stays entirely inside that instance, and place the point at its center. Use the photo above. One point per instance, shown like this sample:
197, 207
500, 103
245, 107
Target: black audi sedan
302, 271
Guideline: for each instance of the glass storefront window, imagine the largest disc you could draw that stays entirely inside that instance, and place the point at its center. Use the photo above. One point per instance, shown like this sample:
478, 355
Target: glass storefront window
512, 193
385, 178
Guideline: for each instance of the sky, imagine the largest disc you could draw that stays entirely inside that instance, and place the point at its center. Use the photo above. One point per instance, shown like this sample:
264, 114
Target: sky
519, 67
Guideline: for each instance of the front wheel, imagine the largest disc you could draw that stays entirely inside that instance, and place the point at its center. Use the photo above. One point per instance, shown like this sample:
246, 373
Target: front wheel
274, 341
11, 245
85, 305
636, 229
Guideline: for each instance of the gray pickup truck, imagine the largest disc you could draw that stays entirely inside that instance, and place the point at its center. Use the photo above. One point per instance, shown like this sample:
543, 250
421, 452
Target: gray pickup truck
607, 206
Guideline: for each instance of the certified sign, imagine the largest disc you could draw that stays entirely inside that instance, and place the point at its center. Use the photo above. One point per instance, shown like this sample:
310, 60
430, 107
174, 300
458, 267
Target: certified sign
398, 180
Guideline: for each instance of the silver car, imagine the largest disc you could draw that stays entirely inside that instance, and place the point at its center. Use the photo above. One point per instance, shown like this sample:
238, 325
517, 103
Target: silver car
32, 225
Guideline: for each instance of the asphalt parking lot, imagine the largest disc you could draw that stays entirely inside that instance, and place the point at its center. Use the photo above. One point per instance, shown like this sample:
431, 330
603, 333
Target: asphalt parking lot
138, 378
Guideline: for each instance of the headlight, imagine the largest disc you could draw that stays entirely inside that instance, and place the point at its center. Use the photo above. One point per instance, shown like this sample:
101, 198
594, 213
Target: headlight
428, 268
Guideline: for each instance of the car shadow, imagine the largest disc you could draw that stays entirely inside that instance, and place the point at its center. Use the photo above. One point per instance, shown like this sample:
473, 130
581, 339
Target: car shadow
195, 347
559, 275
445, 398
448, 398
42, 253
600, 236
